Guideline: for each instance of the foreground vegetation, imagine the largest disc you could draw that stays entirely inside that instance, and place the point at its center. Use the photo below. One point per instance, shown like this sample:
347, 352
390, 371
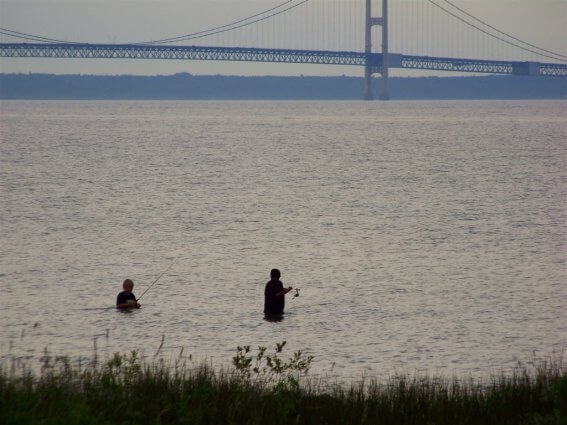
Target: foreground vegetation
263, 388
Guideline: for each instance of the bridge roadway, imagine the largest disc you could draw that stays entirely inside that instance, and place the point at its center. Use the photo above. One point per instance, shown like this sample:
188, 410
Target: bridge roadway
395, 60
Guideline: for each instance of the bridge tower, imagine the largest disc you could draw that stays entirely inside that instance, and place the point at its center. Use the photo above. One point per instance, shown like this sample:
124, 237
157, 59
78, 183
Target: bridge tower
371, 68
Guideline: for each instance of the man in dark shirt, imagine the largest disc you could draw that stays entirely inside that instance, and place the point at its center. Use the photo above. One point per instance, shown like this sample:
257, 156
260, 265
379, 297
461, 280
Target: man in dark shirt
274, 295
126, 299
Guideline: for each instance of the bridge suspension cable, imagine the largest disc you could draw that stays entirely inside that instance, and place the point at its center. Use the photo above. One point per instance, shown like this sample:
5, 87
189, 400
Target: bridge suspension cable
561, 59
244, 22
32, 37
241, 23
502, 32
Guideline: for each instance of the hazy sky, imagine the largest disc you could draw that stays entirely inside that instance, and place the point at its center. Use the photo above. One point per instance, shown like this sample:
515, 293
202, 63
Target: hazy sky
318, 24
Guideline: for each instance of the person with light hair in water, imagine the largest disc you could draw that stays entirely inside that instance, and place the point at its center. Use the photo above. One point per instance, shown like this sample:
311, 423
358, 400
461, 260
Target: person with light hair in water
126, 299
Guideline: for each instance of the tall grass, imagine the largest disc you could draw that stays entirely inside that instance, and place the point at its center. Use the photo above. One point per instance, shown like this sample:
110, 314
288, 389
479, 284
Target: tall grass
125, 390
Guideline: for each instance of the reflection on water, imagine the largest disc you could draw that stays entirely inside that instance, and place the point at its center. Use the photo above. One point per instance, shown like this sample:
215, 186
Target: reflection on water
273, 317
425, 235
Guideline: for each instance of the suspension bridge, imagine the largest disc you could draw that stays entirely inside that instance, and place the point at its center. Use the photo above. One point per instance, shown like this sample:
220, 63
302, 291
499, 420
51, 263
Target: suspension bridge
493, 51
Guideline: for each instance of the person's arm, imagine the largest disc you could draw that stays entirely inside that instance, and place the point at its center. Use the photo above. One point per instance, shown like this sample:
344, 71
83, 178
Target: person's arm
122, 303
283, 292
135, 304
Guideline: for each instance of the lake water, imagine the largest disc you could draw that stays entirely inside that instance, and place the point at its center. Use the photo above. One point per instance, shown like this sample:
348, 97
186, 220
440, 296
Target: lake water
424, 236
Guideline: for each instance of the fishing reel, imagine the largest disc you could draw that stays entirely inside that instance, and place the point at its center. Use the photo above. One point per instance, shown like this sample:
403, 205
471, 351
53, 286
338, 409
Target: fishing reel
296, 293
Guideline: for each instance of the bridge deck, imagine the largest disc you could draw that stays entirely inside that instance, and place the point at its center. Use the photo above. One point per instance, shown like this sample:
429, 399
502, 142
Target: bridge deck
322, 57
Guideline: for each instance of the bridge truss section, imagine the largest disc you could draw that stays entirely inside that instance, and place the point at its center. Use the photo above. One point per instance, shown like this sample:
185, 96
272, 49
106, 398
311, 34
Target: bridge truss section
321, 57
134, 51
483, 66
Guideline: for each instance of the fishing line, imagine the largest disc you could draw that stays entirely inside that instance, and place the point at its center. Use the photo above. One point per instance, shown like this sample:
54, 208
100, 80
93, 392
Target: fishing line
159, 277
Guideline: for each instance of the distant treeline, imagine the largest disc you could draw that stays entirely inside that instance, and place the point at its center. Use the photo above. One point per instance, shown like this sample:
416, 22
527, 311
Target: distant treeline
186, 86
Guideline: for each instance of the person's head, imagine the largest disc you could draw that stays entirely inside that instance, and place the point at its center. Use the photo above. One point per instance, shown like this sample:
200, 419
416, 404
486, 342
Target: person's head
128, 285
275, 274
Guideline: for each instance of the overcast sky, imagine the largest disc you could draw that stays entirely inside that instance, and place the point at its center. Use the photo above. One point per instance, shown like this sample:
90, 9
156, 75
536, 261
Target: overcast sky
540, 22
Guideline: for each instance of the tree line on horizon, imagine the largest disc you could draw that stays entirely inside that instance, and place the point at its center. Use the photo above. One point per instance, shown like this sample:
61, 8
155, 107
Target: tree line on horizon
185, 86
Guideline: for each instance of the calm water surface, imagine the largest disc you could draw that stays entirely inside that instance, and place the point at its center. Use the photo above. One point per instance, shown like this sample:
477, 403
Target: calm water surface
424, 236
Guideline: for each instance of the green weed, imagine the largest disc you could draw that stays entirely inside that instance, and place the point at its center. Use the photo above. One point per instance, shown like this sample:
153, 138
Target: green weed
264, 387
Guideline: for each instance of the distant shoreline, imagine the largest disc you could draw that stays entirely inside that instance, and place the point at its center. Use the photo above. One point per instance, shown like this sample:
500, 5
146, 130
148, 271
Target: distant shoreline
186, 86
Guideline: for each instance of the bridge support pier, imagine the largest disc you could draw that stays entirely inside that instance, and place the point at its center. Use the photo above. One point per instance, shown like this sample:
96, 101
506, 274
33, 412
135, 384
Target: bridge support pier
371, 68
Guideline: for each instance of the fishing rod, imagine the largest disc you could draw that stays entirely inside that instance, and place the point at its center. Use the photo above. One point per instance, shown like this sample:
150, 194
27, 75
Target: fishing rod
159, 277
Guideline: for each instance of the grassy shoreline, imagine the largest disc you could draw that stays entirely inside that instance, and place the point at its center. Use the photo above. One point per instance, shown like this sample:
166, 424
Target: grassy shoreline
267, 389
